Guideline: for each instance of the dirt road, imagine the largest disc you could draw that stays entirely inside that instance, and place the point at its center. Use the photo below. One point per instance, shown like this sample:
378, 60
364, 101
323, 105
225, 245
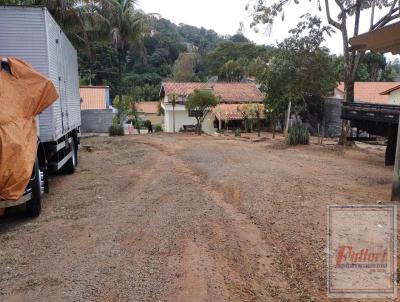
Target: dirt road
182, 218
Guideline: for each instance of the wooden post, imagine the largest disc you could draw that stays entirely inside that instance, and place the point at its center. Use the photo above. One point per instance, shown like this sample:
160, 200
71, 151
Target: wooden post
390, 154
396, 176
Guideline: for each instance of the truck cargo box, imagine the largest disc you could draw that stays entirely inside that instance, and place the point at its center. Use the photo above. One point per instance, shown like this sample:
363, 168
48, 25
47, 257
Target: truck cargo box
31, 34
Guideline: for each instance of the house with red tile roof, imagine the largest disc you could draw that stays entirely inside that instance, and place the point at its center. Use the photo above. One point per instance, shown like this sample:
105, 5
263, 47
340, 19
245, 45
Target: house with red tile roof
231, 96
368, 92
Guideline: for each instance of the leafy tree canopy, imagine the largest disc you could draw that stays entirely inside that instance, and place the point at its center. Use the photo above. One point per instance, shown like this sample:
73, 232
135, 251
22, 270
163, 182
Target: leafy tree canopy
199, 104
293, 71
242, 53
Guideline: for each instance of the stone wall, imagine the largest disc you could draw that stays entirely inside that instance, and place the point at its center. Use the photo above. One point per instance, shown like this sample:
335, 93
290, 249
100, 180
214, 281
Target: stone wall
332, 112
96, 120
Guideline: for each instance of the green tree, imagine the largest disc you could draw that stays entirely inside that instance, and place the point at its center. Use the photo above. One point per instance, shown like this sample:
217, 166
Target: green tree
293, 72
349, 14
199, 104
373, 68
243, 52
185, 67
125, 26
233, 71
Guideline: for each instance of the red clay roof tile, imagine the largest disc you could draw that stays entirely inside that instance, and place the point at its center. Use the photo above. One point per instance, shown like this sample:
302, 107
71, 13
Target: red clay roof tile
229, 92
370, 92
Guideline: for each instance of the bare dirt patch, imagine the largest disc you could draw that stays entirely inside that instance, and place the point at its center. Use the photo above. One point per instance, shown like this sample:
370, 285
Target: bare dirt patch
183, 218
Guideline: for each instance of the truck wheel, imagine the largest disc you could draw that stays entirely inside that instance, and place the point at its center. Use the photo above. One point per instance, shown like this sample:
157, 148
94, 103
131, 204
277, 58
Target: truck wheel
69, 167
34, 206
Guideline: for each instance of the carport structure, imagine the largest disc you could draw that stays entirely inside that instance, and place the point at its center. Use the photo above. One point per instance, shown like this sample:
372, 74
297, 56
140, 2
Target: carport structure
386, 39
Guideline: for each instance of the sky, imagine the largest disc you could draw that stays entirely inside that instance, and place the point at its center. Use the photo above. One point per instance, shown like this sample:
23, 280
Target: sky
224, 17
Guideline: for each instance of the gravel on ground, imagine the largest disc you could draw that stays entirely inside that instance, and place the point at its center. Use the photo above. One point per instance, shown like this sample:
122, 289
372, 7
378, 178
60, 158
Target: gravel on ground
185, 218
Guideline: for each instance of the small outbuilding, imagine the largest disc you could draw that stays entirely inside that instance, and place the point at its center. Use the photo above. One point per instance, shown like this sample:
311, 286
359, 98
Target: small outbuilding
95, 97
97, 114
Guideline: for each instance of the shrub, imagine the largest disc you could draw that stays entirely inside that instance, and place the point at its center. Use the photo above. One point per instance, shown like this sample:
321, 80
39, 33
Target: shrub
116, 120
116, 130
158, 128
298, 134
238, 132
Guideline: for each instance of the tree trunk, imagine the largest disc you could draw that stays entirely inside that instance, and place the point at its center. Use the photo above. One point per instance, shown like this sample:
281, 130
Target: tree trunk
349, 90
120, 115
348, 96
198, 127
273, 126
288, 119
137, 124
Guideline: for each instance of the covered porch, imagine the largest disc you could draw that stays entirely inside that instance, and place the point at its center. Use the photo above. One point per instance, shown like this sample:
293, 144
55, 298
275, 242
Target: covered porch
386, 39
236, 116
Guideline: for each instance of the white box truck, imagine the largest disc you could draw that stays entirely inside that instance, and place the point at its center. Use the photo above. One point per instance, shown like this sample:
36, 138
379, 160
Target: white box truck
31, 34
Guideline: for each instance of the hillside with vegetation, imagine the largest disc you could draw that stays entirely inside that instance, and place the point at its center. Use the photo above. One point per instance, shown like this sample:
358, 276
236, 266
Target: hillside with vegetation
133, 52
145, 67
169, 51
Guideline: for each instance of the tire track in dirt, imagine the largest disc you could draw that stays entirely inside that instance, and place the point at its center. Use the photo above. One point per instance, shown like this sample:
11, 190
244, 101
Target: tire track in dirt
249, 273
139, 223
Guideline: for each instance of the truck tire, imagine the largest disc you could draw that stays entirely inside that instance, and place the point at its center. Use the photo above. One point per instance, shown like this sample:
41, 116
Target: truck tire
69, 167
34, 206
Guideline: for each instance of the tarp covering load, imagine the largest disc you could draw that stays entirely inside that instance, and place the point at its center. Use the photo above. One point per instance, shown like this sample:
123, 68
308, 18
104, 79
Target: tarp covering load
24, 93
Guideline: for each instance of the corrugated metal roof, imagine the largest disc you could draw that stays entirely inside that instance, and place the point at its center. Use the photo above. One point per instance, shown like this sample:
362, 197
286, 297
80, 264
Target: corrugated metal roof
93, 97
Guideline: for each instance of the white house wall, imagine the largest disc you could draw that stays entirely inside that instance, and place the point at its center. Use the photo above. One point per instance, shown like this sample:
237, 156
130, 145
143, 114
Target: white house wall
394, 97
182, 118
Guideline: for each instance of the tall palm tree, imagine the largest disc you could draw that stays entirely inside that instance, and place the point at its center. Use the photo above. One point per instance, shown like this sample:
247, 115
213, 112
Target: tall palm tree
125, 25
76, 18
